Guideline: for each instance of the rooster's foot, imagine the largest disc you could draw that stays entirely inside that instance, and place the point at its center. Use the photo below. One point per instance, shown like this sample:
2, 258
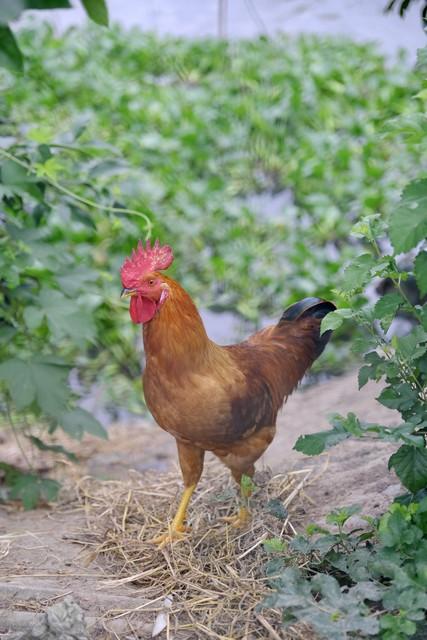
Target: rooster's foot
175, 534
241, 519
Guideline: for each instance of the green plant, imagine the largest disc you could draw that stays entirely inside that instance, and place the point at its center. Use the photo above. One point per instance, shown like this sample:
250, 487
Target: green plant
364, 582
372, 581
400, 360
56, 302
10, 53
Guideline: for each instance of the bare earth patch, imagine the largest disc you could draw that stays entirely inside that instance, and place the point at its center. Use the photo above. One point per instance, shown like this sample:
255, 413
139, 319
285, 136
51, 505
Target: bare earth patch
95, 548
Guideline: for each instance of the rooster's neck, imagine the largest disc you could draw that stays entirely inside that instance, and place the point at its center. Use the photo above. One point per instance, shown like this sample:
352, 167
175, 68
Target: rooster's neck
176, 335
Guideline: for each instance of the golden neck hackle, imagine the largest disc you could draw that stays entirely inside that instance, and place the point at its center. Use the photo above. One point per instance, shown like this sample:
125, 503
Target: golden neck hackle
176, 335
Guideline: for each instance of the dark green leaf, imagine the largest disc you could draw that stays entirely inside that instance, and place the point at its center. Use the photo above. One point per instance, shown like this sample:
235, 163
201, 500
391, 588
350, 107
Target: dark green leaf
10, 53
277, 509
365, 373
55, 448
421, 272
41, 379
19, 179
387, 305
48, 4
316, 443
408, 223
97, 11
400, 396
358, 273
410, 464
77, 421
29, 488
300, 544
331, 321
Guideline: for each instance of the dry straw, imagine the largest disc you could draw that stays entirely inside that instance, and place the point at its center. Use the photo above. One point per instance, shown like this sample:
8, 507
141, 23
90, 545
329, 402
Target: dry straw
207, 586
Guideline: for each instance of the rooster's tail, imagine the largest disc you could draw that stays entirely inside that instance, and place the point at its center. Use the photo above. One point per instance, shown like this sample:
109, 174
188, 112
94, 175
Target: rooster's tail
310, 308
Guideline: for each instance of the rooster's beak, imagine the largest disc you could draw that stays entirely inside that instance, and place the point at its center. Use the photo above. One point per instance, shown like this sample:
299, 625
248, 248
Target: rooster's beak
126, 293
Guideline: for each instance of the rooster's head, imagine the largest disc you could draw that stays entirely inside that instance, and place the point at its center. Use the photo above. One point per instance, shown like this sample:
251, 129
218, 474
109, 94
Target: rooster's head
142, 282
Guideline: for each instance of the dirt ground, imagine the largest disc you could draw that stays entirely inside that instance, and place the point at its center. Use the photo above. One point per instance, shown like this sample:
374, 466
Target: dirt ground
41, 555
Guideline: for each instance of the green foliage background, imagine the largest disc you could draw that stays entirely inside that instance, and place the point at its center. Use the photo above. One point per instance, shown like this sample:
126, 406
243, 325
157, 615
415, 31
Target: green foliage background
109, 137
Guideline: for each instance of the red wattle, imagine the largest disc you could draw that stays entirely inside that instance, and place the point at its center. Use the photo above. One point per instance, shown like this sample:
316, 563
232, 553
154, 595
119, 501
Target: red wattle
141, 309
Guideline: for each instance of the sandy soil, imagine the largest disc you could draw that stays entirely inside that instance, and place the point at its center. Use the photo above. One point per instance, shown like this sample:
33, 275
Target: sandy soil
41, 561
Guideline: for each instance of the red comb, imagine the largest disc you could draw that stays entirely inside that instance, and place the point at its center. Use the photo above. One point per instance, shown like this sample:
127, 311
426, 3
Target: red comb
145, 260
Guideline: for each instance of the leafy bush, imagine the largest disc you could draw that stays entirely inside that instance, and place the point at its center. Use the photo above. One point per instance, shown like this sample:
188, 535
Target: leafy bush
400, 360
363, 583
10, 54
372, 582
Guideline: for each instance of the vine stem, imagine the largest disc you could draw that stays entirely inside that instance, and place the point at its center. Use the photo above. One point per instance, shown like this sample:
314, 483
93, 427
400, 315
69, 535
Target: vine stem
396, 278
15, 434
71, 194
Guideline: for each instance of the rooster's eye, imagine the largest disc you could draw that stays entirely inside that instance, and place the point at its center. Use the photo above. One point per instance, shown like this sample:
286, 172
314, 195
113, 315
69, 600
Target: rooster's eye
151, 282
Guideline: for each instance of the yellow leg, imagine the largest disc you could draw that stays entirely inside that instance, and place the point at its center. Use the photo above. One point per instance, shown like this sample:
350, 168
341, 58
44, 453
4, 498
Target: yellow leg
241, 519
243, 516
177, 528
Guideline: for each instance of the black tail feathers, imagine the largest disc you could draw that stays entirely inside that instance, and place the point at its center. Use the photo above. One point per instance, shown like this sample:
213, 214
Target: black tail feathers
310, 308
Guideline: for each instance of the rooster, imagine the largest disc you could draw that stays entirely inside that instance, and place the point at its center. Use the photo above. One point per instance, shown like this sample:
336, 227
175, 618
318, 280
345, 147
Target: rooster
223, 399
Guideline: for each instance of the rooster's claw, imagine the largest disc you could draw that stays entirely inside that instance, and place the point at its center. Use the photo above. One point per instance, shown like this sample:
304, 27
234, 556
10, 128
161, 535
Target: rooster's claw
174, 534
241, 519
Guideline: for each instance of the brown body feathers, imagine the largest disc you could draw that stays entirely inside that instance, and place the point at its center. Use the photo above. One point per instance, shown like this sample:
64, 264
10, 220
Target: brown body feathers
225, 399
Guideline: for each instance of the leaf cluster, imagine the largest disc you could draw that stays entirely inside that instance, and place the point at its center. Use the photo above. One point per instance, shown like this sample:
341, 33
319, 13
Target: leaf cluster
10, 53
358, 583
380, 571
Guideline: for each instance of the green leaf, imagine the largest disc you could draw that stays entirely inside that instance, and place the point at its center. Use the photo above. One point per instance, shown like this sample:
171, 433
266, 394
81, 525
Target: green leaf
408, 223
300, 544
277, 509
331, 321
387, 305
18, 179
410, 464
365, 373
11, 9
77, 421
320, 602
33, 317
30, 489
421, 272
399, 396
274, 545
66, 318
77, 281
316, 443
48, 4
97, 11
358, 273
55, 448
42, 380
412, 346
247, 485
340, 516
10, 53
422, 60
